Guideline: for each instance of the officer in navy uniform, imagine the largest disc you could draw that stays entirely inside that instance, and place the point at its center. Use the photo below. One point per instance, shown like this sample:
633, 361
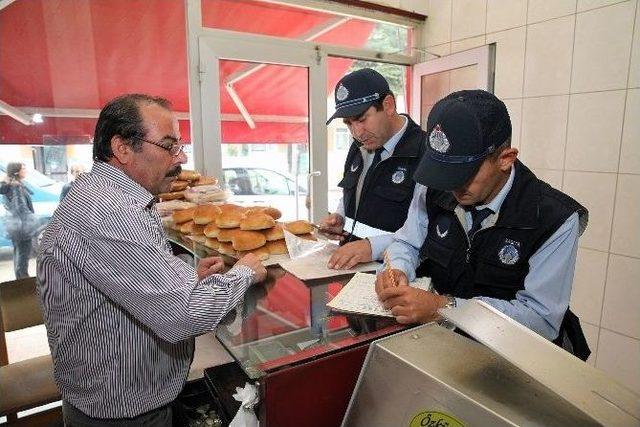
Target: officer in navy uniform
377, 185
483, 226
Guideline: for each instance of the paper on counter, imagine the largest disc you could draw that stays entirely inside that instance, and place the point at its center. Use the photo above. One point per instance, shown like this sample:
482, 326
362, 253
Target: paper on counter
314, 266
359, 295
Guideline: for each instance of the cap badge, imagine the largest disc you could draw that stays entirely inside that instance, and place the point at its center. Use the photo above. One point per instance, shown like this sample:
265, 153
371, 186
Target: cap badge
509, 254
398, 176
342, 93
438, 140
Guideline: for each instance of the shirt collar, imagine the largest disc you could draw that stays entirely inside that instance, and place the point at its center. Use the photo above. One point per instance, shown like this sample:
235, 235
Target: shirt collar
123, 181
390, 145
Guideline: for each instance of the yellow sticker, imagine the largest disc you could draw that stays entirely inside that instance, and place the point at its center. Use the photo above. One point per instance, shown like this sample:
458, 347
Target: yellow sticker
434, 419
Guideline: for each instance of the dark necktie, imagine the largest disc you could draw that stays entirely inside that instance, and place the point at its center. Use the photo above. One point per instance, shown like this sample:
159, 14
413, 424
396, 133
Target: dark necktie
477, 216
376, 159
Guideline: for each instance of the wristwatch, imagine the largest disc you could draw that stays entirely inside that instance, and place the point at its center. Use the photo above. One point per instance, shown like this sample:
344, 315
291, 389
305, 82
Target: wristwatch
451, 301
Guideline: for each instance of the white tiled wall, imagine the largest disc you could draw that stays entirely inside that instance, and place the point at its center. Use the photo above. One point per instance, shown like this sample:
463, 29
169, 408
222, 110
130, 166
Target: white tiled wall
569, 72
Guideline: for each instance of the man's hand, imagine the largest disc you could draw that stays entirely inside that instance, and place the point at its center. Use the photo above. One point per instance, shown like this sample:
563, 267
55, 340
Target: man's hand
412, 305
332, 226
252, 261
347, 256
209, 266
383, 280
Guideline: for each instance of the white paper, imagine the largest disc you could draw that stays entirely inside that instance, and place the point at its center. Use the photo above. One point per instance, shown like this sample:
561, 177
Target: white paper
359, 295
314, 266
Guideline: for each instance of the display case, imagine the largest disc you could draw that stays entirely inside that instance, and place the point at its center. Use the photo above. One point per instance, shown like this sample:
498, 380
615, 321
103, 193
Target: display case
303, 358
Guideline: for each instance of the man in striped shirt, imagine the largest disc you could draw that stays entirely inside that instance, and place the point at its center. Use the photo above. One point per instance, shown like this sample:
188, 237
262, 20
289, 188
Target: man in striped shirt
121, 311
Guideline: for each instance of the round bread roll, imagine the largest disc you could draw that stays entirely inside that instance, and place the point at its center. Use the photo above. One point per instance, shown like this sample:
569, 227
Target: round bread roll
186, 227
204, 214
277, 247
226, 248
257, 221
247, 240
308, 236
198, 229
272, 212
262, 253
178, 185
205, 180
211, 243
171, 196
274, 233
211, 230
298, 227
226, 234
200, 239
188, 175
183, 215
229, 219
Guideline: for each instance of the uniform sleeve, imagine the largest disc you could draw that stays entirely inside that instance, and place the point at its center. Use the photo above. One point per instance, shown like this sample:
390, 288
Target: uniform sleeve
404, 251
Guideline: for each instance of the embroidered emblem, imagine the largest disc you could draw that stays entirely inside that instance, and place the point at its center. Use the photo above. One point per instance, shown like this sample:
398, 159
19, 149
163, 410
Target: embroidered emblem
397, 177
438, 140
354, 166
441, 234
509, 254
341, 93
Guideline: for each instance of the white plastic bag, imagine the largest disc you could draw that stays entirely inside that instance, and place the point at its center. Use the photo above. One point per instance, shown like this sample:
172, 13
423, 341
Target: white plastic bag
299, 247
248, 398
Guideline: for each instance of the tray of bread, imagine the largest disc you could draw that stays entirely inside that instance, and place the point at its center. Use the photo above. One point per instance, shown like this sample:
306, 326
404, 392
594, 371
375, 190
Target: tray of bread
233, 231
195, 188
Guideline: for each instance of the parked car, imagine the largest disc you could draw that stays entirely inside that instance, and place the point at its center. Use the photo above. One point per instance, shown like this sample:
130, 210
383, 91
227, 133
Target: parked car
265, 187
45, 198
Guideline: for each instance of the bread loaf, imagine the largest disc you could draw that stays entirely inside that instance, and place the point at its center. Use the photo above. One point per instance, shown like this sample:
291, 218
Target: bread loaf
256, 221
186, 227
188, 175
171, 196
274, 233
247, 240
197, 229
226, 248
211, 230
183, 215
261, 253
272, 212
298, 227
277, 247
229, 219
205, 180
204, 214
178, 185
211, 243
226, 234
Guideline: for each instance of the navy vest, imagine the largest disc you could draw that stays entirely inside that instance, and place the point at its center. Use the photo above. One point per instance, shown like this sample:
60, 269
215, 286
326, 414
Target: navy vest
495, 262
385, 201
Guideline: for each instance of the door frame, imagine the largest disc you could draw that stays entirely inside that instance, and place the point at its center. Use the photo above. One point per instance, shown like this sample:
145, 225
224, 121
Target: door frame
483, 57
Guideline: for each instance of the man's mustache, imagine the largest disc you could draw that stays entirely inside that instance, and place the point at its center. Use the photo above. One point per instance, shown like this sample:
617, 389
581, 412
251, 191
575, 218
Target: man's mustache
174, 172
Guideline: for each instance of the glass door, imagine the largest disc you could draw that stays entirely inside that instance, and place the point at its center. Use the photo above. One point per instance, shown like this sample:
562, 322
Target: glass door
258, 139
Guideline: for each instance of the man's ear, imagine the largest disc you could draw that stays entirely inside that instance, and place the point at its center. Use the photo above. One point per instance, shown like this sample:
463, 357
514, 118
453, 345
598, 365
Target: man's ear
389, 104
121, 150
507, 158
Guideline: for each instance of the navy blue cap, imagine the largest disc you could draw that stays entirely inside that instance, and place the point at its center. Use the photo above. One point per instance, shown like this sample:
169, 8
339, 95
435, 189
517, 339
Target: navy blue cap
463, 129
357, 91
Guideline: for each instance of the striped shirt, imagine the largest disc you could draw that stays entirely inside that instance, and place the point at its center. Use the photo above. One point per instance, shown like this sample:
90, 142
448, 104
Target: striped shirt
121, 311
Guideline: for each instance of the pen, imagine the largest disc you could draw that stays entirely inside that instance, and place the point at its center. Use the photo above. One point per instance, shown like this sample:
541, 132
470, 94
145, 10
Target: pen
387, 269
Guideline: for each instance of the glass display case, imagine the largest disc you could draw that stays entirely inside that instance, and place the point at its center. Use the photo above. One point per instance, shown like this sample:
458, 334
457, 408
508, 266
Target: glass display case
304, 358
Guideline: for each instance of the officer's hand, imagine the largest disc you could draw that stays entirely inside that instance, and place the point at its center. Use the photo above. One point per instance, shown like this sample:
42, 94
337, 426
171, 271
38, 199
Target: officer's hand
208, 266
347, 256
332, 226
383, 280
252, 261
412, 305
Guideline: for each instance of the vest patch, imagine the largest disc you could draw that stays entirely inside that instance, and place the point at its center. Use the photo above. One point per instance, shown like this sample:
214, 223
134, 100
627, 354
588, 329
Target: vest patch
442, 227
398, 176
510, 253
355, 165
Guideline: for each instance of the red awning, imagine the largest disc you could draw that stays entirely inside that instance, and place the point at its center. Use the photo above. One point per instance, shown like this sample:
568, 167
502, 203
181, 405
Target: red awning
80, 53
